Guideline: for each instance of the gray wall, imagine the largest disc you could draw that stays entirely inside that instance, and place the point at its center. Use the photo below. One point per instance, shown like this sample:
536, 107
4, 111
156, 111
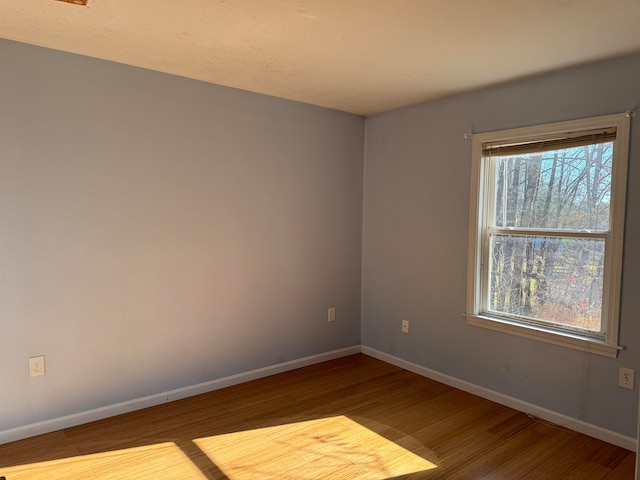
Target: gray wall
158, 232
416, 217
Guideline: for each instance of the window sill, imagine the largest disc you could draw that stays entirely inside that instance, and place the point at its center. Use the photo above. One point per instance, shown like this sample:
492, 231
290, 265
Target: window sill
586, 344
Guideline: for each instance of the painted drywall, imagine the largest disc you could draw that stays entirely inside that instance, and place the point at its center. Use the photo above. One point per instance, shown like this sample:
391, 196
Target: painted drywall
415, 231
158, 232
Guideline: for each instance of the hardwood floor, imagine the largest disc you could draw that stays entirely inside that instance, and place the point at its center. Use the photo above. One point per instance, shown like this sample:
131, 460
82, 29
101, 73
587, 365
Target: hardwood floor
351, 418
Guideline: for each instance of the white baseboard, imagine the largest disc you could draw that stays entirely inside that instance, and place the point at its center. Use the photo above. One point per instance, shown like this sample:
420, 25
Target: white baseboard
54, 424
563, 420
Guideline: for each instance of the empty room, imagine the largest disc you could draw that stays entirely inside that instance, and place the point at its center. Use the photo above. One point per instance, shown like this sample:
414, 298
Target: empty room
319, 239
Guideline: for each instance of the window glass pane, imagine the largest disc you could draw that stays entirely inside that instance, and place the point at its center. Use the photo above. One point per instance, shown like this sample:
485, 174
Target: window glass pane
567, 189
548, 279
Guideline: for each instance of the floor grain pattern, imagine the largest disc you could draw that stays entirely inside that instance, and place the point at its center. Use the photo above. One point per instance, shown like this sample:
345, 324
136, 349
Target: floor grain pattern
351, 418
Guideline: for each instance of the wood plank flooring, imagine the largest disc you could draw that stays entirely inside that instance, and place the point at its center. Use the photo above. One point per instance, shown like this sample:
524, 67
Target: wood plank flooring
351, 418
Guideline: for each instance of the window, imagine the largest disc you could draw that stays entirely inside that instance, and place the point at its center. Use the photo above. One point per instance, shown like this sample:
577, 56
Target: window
546, 231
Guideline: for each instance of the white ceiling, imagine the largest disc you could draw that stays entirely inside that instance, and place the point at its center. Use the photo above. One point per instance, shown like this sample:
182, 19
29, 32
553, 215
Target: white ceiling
360, 56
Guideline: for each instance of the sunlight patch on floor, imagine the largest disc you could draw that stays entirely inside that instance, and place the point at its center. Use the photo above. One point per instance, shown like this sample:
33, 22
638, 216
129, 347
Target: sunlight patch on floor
153, 462
335, 447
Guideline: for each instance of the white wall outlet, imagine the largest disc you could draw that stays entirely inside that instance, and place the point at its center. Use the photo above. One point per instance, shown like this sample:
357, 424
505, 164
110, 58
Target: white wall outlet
626, 378
36, 366
331, 314
405, 326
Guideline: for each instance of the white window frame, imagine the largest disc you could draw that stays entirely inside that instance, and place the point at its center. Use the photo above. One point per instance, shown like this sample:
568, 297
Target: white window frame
478, 226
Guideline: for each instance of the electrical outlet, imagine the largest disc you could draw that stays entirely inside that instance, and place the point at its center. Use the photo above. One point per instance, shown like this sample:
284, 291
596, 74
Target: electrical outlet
626, 378
405, 326
36, 366
331, 314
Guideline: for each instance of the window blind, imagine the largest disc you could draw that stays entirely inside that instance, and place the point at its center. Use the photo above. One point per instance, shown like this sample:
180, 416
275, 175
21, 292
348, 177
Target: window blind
544, 145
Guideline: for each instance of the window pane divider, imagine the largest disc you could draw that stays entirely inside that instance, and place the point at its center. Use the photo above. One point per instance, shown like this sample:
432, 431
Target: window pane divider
528, 232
